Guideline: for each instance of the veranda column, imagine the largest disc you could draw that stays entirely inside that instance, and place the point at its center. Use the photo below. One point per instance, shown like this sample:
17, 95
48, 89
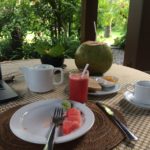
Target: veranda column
88, 17
137, 50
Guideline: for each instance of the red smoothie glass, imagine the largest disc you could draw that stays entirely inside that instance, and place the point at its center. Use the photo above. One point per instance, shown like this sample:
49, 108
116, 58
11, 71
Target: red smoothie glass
78, 86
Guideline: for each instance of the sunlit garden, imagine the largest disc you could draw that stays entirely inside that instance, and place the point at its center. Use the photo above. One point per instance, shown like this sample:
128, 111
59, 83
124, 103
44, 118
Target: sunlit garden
31, 28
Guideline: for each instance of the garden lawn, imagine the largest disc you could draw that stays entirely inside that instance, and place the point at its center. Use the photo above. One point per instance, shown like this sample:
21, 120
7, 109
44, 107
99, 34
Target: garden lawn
110, 40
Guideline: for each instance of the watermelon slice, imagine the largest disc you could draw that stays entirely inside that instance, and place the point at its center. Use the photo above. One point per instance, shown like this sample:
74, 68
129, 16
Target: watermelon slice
69, 126
72, 121
75, 118
73, 111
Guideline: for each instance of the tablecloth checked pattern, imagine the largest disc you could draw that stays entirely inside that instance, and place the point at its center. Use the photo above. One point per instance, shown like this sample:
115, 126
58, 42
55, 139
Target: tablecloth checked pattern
138, 120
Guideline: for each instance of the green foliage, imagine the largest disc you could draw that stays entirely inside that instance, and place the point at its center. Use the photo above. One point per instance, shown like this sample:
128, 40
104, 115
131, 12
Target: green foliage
4, 49
120, 41
51, 21
29, 51
110, 41
41, 47
106, 8
44, 48
63, 47
113, 13
71, 44
56, 51
46, 20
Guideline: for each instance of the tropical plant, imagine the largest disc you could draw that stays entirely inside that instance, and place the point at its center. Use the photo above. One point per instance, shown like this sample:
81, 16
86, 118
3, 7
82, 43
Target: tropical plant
45, 49
113, 13
45, 19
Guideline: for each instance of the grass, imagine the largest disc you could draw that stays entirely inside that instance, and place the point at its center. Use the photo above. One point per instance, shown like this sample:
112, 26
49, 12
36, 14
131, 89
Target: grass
111, 39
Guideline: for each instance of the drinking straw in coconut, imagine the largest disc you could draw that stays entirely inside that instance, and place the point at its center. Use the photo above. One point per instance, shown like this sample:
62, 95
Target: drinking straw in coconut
85, 69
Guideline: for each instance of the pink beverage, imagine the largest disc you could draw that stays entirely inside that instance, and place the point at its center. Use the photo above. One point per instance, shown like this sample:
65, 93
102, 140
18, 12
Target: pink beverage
78, 85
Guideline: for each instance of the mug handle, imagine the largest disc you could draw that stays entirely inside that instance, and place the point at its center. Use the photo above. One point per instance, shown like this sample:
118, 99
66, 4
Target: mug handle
61, 76
130, 87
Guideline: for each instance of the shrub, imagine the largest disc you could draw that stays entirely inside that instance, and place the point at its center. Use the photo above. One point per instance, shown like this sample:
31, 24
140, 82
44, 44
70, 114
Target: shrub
120, 41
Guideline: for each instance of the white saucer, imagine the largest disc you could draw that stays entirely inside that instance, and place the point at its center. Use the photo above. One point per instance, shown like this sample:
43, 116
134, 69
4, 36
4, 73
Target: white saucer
131, 99
106, 91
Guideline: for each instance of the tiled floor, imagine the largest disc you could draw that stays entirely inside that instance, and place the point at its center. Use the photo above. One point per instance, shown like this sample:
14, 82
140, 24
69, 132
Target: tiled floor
118, 56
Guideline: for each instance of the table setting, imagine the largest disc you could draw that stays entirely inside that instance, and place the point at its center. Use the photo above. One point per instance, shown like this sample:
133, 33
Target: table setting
24, 121
102, 132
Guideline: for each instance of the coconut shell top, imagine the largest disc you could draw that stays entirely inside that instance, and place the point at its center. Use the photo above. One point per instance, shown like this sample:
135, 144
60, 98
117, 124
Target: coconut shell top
97, 55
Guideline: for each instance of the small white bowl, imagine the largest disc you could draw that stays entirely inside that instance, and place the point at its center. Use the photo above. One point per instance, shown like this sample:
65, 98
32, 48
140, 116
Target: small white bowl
107, 81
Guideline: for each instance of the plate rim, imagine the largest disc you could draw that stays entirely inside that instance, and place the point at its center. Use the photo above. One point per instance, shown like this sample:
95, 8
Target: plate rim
83, 129
106, 86
130, 100
116, 88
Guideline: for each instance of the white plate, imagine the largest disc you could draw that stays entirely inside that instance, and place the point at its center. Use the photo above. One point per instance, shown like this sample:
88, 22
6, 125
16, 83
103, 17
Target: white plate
27, 122
106, 91
105, 83
131, 99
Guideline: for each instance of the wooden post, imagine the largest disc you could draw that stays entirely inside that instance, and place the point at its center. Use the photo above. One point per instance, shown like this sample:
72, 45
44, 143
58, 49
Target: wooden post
137, 50
88, 17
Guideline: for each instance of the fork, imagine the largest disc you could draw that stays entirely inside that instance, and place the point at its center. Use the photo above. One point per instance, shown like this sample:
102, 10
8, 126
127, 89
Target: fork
57, 120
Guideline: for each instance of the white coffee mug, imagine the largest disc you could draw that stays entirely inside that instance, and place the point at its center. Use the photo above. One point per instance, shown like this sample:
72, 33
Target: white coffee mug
40, 78
141, 91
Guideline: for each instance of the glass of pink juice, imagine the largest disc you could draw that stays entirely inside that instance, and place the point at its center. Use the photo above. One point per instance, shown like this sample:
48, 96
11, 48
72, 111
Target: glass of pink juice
78, 86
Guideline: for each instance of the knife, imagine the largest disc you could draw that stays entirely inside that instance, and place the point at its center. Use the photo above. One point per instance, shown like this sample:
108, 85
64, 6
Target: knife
130, 136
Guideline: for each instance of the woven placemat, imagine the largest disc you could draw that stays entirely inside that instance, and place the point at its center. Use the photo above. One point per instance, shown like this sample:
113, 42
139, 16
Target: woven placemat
104, 135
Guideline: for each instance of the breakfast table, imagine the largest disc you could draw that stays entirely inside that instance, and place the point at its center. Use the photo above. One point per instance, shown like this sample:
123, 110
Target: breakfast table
136, 118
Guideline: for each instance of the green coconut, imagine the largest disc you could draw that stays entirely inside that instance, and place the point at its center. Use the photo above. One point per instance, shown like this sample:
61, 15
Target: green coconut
97, 55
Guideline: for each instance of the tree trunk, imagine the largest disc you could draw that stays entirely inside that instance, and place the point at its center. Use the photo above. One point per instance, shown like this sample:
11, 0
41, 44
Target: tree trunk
69, 26
55, 31
58, 14
107, 32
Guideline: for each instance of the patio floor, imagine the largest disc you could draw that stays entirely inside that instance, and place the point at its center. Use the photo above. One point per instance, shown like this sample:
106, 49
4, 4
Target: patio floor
118, 56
